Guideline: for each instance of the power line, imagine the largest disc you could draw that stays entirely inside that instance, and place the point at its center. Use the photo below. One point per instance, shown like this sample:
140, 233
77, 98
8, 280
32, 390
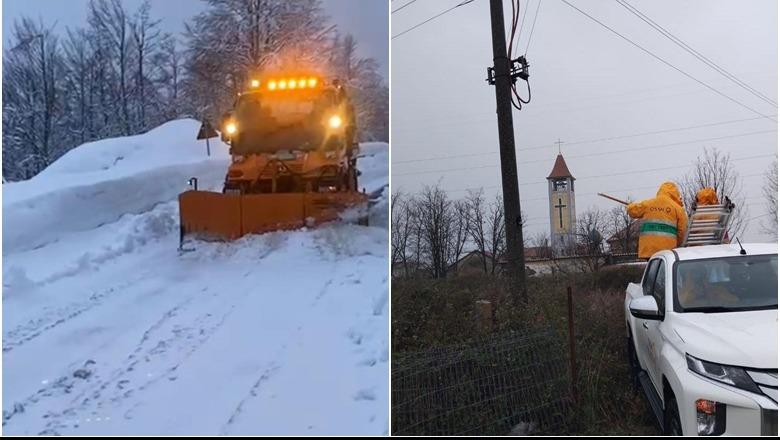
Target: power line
694, 52
528, 219
663, 60
536, 223
463, 3
626, 173
533, 26
758, 216
522, 23
401, 7
545, 223
631, 150
746, 205
558, 108
604, 139
602, 153
621, 190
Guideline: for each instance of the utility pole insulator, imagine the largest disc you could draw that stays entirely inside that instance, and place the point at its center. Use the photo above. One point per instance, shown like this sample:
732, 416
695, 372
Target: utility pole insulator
519, 69
502, 75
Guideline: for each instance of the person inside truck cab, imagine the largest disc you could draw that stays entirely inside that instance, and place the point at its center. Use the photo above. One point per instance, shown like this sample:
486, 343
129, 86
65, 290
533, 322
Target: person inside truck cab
663, 220
696, 289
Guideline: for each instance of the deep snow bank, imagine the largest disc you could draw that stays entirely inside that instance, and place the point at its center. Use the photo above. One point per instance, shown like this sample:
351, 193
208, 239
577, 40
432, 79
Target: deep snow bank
373, 163
98, 182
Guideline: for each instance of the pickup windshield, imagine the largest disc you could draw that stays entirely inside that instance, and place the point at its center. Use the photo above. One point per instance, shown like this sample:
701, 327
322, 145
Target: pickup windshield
726, 284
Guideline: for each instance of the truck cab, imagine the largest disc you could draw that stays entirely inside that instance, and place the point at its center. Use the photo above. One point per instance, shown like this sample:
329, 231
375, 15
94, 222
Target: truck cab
702, 339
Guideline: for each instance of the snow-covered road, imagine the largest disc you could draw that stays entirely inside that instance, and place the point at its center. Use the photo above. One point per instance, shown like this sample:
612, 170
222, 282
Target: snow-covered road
107, 329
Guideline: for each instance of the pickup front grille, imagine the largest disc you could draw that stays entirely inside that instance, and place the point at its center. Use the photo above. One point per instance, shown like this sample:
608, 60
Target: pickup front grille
766, 381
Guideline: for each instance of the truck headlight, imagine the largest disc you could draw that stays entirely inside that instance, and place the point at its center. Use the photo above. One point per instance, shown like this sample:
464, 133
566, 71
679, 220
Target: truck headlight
231, 128
734, 376
335, 121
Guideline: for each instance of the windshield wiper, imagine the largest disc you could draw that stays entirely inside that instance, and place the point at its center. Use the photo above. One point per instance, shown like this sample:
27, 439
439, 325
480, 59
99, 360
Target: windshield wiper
709, 309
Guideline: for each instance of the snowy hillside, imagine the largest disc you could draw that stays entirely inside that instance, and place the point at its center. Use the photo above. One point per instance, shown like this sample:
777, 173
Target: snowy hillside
108, 330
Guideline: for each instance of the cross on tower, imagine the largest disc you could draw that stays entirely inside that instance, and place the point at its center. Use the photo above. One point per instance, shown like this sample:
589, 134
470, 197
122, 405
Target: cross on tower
559, 145
560, 207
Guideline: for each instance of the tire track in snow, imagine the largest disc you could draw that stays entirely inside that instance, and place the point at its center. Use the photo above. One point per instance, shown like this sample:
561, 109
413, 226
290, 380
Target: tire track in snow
66, 383
253, 392
23, 333
168, 353
159, 353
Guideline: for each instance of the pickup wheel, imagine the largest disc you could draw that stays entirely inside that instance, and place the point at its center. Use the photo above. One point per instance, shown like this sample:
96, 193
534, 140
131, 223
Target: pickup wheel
672, 425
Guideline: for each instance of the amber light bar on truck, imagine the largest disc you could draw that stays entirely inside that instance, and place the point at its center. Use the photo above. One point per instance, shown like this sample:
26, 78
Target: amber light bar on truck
293, 83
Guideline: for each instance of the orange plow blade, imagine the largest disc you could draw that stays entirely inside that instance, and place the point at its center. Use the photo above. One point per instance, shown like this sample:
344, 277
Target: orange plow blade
210, 215
216, 216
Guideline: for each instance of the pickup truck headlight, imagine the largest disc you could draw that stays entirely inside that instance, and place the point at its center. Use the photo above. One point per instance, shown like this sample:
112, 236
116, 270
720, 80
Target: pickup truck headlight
734, 376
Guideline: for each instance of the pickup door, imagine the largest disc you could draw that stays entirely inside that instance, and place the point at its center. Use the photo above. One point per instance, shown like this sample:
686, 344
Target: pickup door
652, 328
641, 326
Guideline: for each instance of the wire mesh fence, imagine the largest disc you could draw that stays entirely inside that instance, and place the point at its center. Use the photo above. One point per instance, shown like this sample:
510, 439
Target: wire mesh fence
510, 384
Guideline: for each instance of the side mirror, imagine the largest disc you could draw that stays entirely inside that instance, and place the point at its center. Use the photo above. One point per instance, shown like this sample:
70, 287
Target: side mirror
645, 307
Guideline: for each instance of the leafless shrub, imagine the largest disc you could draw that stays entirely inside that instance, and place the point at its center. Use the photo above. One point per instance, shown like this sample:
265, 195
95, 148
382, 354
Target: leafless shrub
714, 170
590, 230
770, 192
619, 229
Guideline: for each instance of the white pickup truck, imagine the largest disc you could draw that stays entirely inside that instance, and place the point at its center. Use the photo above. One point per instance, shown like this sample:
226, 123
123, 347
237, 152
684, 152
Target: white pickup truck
702, 339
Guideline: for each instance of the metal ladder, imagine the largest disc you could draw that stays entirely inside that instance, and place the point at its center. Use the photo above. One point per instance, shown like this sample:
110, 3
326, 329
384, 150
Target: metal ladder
707, 224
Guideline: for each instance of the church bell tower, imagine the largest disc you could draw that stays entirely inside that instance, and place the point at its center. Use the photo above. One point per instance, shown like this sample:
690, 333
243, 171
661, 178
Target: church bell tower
563, 219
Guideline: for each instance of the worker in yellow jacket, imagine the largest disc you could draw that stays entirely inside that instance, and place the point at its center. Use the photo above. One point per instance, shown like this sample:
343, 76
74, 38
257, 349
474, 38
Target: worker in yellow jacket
708, 196
663, 220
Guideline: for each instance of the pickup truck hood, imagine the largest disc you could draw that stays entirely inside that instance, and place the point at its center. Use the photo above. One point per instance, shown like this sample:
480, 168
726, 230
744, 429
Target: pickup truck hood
746, 339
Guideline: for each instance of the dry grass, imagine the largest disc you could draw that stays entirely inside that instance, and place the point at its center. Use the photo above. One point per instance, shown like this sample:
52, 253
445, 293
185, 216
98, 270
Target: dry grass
434, 313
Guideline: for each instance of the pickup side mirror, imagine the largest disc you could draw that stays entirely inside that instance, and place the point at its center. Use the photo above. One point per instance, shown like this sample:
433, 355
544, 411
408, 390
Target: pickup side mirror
645, 307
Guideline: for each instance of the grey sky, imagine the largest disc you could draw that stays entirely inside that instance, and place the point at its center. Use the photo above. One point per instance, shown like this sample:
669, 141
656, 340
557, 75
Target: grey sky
587, 84
366, 19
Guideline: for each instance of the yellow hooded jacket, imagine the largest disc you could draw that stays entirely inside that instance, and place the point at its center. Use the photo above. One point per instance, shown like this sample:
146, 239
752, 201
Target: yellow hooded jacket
663, 220
708, 196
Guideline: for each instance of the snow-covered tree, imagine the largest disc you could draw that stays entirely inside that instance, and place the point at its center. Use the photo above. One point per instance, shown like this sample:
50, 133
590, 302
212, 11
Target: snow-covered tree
367, 87
32, 95
145, 43
235, 39
120, 75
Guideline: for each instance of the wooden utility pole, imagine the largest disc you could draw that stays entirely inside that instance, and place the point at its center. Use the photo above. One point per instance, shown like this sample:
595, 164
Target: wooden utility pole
502, 67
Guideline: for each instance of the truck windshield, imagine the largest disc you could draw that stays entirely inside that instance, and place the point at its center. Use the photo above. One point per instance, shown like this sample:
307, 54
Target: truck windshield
269, 122
255, 110
726, 284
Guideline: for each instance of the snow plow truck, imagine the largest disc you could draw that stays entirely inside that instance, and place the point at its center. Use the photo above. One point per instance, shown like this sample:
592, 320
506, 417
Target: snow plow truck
293, 162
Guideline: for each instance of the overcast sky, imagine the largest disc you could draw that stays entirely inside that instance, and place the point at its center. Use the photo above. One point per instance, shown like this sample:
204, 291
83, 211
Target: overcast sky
365, 19
587, 84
